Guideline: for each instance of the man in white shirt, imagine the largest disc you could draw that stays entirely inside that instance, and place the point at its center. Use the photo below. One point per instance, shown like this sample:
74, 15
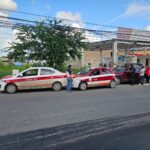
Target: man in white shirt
142, 73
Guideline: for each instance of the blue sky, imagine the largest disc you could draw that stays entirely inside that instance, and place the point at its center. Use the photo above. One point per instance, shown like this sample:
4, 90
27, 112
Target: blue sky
128, 13
118, 13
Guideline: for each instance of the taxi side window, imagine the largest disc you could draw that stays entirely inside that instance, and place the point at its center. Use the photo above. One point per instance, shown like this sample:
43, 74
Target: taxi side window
106, 71
119, 70
32, 72
46, 72
95, 72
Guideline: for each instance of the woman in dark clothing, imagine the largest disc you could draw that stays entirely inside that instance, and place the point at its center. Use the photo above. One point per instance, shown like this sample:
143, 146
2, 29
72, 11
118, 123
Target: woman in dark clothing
132, 71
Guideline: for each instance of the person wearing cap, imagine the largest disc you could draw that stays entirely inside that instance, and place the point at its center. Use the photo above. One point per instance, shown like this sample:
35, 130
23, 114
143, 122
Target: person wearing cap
69, 78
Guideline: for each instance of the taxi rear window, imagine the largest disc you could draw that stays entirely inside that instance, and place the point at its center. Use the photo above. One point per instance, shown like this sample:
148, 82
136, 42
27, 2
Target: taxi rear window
46, 72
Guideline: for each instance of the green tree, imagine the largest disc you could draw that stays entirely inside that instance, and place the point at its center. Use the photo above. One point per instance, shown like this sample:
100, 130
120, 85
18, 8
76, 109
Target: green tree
49, 40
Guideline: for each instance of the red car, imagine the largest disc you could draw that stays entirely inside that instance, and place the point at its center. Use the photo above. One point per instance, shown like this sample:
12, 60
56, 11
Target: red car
123, 75
94, 77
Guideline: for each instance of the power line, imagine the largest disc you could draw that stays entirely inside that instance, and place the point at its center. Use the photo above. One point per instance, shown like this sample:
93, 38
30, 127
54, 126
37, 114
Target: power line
96, 32
19, 19
38, 15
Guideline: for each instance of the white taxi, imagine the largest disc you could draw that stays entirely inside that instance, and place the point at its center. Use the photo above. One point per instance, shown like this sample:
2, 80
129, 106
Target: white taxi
34, 78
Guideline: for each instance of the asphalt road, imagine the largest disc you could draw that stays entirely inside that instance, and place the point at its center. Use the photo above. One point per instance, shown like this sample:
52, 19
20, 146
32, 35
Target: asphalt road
101, 118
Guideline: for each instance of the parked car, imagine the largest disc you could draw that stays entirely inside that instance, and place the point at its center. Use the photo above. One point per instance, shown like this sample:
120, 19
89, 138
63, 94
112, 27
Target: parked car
94, 77
34, 78
123, 75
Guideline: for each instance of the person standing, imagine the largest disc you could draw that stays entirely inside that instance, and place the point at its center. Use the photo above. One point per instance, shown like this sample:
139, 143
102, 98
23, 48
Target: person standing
69, 78
142, 73
147, 74
132, 72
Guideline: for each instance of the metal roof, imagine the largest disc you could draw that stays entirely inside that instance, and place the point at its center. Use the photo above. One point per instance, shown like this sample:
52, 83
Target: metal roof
122, 44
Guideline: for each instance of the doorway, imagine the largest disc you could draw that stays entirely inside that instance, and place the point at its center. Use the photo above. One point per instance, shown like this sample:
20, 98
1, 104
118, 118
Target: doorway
147, 62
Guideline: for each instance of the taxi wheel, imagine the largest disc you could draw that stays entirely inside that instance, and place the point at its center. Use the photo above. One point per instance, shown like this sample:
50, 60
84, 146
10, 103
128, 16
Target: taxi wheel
11, 88
83, 86
112, 84
118, 81
57, 86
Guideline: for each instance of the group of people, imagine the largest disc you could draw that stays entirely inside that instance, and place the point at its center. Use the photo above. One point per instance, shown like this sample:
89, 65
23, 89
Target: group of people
143, 74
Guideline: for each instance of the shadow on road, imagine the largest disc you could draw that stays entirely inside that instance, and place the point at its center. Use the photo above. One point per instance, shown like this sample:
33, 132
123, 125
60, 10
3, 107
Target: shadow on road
116, 133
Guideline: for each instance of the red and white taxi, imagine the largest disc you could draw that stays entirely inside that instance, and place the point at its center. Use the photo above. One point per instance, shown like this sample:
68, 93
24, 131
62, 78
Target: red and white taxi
34, 78
94, 77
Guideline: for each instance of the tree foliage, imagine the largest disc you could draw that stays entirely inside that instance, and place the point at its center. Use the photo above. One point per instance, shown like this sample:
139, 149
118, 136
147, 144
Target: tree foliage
47, 40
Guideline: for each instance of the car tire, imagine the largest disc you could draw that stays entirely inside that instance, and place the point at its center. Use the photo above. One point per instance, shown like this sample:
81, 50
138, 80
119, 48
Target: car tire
118, 80
11, 88
83, 86
112, 84
57, 86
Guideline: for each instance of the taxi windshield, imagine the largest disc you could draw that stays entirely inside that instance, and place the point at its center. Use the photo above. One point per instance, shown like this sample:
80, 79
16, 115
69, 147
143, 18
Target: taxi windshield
85, 71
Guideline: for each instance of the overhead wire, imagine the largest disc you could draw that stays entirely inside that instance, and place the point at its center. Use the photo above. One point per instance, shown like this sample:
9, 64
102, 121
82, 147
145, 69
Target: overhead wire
96, 32
104, 33
38, 15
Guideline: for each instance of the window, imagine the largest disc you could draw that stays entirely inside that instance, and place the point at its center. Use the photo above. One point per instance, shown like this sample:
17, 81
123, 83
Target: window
95, 72
32, 72
106, 71
85, 71
119, 70
46, 72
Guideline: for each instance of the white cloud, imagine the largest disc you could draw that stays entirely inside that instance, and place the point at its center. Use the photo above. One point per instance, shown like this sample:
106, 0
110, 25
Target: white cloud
136, 9
8, 4
76, 25
3, 20
3, 14
75, 19
68, 15
90, 37
6, 34
147, 28
114, 19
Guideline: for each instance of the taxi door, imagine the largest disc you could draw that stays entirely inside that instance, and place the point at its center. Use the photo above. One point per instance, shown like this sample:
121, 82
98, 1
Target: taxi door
28, 79
105, 77
94, 78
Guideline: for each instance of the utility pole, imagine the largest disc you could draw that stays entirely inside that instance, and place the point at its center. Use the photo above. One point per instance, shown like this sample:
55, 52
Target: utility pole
115, 51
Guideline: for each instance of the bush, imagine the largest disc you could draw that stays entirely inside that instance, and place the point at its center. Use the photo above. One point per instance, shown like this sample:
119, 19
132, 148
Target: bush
6, 69
78, 69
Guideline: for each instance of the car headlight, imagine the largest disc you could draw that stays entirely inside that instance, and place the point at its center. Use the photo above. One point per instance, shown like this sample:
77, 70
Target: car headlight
77, 78
2, 82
